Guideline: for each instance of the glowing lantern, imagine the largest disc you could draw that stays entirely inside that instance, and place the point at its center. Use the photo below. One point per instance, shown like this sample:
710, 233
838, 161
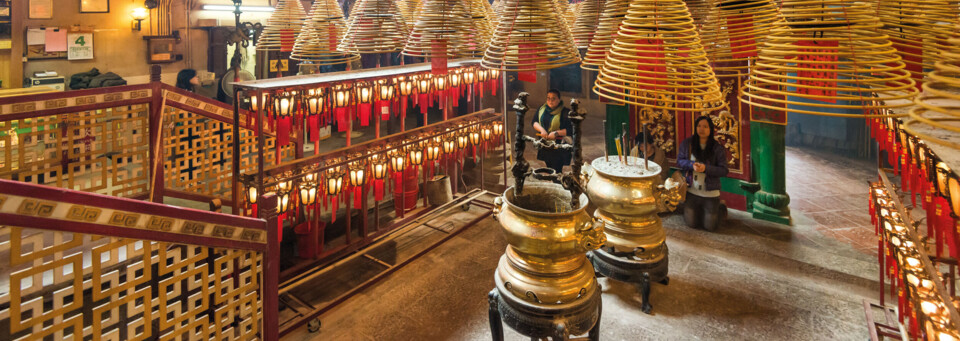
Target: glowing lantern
308, 189
397, 161
341, 101
415, 154
385, 95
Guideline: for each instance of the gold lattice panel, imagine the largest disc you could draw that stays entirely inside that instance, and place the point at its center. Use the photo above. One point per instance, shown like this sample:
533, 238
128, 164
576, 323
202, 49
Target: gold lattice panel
102, 151
70, 286
198, 153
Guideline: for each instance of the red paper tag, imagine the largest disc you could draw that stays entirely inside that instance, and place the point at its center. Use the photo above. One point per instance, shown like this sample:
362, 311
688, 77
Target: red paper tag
912, 55
652, 63
742, 47
821, 71
438, 63
283, 131
313, 123
287, 38
526, 51
332, 37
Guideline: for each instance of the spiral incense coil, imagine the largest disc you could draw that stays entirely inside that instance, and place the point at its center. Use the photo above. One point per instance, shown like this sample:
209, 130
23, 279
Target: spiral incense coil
283, 27
570, 14
826, 57
939, 107
919, 29
657, 61
563, 7
588, 19
698, 10
375, 26
442, 31
613, 13
482, 18
317, 42
734, 31
410, 9
531, 35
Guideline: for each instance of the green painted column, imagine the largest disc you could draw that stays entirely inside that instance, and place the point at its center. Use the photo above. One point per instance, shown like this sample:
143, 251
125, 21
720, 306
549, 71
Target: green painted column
767, 151
616, 116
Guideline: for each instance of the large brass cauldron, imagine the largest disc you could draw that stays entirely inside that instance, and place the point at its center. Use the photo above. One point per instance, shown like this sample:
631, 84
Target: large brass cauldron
628, 203
544, 273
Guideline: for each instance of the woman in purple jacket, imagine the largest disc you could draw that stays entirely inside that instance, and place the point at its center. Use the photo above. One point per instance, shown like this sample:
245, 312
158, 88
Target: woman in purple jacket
703, 162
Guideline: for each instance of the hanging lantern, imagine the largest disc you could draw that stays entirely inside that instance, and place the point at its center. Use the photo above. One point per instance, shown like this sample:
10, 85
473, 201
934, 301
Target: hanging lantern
283, 106
405, 86
522, 43
424, 84
313, 101
433, 149
450, 143
613, 13
308, 189
364, 93
397, 161
415, 153
657, 61
474, 136
252, 194
283, 27
486, 132
374, 26
358, 178
317, 42
284, 188
386, 92
254, 102
380, 167
828, 60
341, 103
334, 182
497, 128
469, 76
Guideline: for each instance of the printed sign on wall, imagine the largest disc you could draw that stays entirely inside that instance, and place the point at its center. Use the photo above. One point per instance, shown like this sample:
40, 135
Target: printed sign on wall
79, 46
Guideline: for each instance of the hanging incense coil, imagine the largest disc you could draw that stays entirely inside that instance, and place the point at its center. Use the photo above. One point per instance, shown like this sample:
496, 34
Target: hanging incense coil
409, 9
527, 40
283, 27
827, 56
919, 29
734, 31
698, 10
563, 7
482, 24
442, 31
657, 61
570, 13
317, 42
375, 26
613, 13
939, 107
588, 19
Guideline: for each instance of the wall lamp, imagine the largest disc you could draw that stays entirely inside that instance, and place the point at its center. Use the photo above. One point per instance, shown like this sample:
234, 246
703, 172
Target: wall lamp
139, 14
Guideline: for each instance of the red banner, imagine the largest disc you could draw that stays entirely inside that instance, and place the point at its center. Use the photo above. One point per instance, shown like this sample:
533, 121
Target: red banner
814, 58
742, 47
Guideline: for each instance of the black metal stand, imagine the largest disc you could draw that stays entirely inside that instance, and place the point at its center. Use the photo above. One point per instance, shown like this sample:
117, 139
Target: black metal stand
538, 322
621, 267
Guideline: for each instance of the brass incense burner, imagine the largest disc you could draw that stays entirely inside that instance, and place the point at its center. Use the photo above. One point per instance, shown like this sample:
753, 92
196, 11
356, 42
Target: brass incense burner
545, 285
628, 198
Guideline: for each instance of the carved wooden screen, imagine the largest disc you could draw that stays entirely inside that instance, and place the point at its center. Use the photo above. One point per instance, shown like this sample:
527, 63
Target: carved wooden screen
198, 153
100, 150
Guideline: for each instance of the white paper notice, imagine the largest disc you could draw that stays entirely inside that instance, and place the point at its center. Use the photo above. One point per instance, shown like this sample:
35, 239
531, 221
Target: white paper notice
36, 36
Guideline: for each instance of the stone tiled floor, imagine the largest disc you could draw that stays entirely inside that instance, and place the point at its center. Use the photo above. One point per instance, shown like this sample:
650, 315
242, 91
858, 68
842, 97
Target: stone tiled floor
830, 192
751, 280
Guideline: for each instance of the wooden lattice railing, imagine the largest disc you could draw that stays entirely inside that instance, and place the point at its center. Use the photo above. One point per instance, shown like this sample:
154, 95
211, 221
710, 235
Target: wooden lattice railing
77, 265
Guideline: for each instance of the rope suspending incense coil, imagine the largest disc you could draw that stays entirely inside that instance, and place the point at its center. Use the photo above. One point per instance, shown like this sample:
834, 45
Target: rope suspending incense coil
482, 18
283, 27
588, 18
939, 107
374, 26
531, 35
317, 42
919, 29
613, 13
442, 30
657, 61
826, 57
733, 32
